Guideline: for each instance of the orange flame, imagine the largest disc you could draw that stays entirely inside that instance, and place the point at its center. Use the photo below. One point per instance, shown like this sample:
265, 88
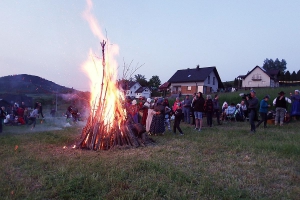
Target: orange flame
96, 69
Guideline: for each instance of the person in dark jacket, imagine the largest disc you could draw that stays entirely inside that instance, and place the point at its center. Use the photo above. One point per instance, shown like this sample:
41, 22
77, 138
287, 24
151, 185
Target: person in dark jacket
158, 121
198, 105
217, 108
253, 104
192, 109
263, 110
178, 117
2, 117
209, 109
281, 105
187, 109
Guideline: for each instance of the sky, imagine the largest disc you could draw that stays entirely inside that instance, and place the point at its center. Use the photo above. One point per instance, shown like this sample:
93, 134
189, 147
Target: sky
52, 39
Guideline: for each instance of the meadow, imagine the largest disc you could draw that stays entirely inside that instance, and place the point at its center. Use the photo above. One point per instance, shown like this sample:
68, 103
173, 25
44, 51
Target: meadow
222, 162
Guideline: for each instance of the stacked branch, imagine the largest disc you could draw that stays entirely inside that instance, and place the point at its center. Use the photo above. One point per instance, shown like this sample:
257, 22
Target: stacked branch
98, 134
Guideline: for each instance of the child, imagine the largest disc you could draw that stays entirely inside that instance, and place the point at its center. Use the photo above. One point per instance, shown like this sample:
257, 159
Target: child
178, 117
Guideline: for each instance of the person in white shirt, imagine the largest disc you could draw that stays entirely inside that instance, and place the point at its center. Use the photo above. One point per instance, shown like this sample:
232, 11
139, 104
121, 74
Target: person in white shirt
32, 117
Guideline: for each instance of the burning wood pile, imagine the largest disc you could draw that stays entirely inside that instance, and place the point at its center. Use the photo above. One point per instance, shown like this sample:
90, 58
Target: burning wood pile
108, 125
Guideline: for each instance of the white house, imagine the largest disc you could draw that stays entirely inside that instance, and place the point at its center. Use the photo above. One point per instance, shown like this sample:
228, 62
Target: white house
258, 77
132, 88
143, 92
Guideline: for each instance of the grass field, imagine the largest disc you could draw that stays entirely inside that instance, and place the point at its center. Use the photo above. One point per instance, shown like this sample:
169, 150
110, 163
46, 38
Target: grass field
222, 162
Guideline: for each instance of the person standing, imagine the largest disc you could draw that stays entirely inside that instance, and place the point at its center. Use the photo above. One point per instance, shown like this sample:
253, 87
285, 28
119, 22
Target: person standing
198, 105
192, 109
26, 115
33, 116
280, 104
244, 109
133, 111
253, 104
158, 122
150, 114
145, 108
174, 107
263, 110
295, 112
217, 108
178, 117
209, 109
187, 109
2, 117
41, 110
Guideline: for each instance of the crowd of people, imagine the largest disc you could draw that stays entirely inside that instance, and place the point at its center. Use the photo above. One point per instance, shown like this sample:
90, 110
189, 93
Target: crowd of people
20, 114
155, 114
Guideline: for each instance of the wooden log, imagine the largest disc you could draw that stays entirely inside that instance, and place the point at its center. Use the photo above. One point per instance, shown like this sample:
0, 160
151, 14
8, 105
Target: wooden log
132, 138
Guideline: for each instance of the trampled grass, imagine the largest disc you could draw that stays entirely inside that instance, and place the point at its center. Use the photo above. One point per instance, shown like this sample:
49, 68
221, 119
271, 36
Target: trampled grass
222, 162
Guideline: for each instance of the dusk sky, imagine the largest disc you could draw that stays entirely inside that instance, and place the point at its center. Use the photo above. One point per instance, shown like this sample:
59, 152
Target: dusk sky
51, 39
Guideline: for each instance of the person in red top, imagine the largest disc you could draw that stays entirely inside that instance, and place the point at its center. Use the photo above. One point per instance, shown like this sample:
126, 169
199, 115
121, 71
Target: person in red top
20, 112
133, 111
175, 105
145, 108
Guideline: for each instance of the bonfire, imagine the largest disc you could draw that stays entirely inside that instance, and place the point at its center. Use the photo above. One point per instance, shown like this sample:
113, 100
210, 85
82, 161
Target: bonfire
108, 124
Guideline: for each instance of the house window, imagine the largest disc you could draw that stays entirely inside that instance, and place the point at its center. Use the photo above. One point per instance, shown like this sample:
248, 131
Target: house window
208, 79
214, 80
256, 77
134, 87
189, 87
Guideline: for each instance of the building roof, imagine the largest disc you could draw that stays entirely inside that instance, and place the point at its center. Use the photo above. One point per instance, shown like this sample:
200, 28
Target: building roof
164, 86
126, 85
194, 75
141, 89
271, 73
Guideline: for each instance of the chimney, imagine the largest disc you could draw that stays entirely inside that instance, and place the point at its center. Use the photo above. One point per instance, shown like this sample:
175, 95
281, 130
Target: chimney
198, 66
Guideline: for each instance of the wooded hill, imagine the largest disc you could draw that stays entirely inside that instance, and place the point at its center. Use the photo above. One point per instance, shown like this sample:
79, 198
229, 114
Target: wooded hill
30, 84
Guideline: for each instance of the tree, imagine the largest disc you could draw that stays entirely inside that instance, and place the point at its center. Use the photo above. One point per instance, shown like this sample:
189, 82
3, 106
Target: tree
154, 82
269, 64
293, 76
236, 83
281, 76
141, 80
287, 76
298, 75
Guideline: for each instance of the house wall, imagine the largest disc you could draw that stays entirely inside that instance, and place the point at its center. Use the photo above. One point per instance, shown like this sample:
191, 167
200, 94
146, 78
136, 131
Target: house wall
208, 86
185, 88
257, 78
146, 93
131, 91
212, 82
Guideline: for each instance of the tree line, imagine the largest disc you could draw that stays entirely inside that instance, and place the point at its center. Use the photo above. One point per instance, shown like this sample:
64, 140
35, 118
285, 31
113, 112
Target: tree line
153, 83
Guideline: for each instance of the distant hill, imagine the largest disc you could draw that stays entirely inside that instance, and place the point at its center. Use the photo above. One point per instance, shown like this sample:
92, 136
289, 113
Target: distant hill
30, 84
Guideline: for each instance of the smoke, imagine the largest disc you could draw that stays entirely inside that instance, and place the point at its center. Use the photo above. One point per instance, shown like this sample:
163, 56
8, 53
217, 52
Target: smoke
43, 125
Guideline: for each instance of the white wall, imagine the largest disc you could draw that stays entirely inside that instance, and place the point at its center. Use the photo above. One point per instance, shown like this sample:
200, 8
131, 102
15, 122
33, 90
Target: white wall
259, 74
131, 91
213, 85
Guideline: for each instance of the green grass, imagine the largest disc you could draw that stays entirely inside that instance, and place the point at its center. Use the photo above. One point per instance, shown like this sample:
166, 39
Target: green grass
223, 162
